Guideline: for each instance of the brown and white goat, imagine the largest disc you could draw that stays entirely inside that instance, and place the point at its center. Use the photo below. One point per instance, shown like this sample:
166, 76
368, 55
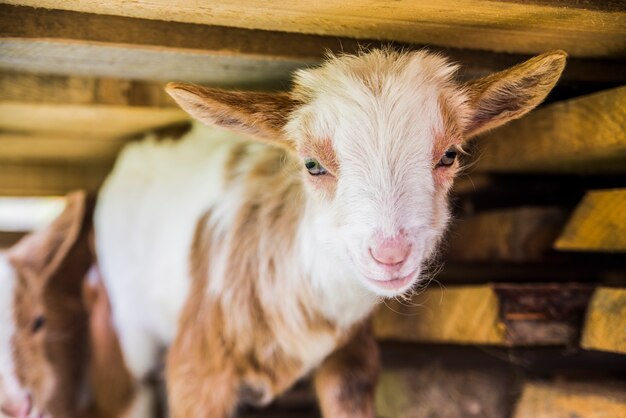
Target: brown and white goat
259, 262
59, 355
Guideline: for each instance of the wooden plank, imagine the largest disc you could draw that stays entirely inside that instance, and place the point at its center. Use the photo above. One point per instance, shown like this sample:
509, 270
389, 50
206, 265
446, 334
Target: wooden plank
487, 314
21, 179
93, 121
465, 315
515, 235
39, 148
605, 326
508, 26
66, 42
119, 61
575, 135
598, 223
59, 89
572, 399
427, 391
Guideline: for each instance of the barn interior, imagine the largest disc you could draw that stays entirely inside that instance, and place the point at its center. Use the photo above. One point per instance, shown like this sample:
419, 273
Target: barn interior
525, 315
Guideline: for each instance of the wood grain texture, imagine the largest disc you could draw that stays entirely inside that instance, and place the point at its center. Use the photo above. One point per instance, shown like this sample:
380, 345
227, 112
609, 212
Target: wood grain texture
40, 148
427, 391
152, 64
598, 223
62, 89
502, 314
522, 27
50, 179
585, 134
605, 326
93, 121
572, 399
464, 315
515, 235
66, 42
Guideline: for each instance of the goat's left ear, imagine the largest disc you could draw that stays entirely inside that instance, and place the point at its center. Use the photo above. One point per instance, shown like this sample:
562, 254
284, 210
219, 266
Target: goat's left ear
260, 115
510, 94
42, 252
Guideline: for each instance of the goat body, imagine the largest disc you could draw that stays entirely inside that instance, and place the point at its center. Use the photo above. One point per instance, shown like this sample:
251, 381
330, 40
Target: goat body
257, 263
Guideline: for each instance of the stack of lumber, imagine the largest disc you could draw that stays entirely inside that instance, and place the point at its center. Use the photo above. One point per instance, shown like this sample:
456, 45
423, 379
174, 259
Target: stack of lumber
526, 317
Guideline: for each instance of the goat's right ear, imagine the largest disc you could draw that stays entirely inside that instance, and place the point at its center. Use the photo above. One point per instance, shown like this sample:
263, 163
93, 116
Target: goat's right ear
261, 115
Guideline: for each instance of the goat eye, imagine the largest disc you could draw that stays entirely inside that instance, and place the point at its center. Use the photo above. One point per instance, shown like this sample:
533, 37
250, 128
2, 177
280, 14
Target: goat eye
38, 323
448, 158
314, 167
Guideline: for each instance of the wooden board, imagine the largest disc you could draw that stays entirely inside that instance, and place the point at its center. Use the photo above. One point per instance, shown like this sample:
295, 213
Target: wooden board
466, 315
605, 326
516, 235
66, 42
572, 399
437, 390
94, 121
507, 26
59, 89
40, 148
598, 223
487, 314
50, 57
585, 134
22, 179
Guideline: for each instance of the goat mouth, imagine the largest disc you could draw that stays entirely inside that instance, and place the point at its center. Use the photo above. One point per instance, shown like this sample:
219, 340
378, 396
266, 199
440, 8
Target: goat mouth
395, 284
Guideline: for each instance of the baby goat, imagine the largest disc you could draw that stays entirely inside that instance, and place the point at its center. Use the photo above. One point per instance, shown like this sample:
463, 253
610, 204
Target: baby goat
259, 262
59, 356
43, 322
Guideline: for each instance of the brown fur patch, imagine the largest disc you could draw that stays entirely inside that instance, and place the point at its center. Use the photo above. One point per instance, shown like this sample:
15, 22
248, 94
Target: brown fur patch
324, 152
201, 382
231, 167
346, 380
110, 383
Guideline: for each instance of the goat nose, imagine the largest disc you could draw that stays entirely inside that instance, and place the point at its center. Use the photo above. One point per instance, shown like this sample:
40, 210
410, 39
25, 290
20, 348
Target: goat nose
391, 252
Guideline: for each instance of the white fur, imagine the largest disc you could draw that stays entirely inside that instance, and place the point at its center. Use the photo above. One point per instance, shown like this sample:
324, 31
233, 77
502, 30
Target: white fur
147, 213
10, 390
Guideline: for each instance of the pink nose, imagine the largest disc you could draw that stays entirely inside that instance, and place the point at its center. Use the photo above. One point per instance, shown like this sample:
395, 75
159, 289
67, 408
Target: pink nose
391, 252
17, 410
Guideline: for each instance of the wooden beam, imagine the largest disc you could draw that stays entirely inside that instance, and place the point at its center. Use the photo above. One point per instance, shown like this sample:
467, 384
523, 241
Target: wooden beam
66, 42
571, 399
60, 89
580, 135
508, 26
598, 223
21, 179
94, 121
39, 148
605, 326
515, 235
424, 392
487, 314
